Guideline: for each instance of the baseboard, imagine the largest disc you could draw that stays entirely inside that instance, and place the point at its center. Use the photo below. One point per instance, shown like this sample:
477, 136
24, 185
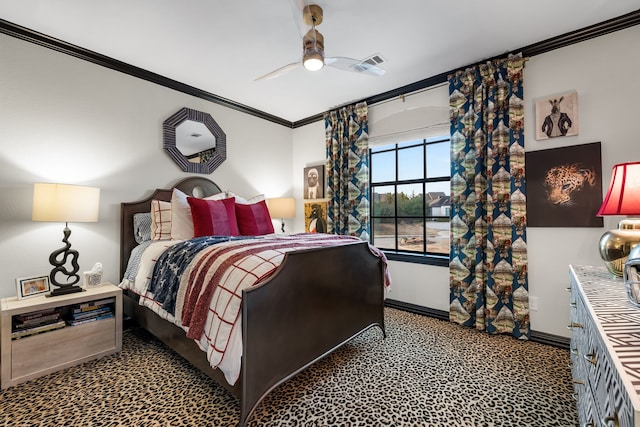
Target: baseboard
417, 309
537, 337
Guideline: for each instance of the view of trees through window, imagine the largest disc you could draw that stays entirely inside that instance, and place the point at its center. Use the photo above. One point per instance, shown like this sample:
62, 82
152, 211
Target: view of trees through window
410, 196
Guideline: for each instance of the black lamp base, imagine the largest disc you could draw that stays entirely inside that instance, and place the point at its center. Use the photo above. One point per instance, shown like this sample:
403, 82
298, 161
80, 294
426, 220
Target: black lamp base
59, 259
64, 290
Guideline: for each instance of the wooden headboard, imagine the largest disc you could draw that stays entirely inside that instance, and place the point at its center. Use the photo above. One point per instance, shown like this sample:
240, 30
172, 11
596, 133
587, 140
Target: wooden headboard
193, 186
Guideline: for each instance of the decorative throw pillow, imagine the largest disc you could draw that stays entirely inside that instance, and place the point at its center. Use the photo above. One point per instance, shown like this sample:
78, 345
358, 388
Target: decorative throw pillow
213, 217
142, 227
254, 219
160, 220
181, 218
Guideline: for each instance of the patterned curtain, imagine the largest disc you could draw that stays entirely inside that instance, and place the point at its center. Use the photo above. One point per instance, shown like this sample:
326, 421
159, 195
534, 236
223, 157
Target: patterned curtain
488, 259
347, 170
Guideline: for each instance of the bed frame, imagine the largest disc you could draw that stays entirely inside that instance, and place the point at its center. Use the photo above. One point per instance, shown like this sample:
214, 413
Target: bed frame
331, 294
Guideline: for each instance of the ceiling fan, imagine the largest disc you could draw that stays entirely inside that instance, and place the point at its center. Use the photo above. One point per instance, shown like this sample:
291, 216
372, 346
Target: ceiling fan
313, 57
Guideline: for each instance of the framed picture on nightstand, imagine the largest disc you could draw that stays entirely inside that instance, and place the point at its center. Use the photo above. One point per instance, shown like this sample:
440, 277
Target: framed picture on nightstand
32, 286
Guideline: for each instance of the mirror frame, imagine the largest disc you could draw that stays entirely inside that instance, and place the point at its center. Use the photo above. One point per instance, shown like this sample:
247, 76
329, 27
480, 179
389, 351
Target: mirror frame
169, 141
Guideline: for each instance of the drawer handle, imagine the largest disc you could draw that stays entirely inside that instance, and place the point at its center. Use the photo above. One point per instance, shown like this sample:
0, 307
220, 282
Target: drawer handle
591, 358
568, 289
575, 325
574, 351
573, 304
607, 420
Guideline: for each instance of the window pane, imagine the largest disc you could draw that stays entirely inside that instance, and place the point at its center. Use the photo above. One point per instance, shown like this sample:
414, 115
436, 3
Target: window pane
438, 236
410, 200
384, 201
438, 198
411, 235
383, 167
384, 233
410, 212
438, 159
411, 163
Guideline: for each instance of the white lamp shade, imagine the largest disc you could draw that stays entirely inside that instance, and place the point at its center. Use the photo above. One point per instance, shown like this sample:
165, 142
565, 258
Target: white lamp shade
65, 203
282, 207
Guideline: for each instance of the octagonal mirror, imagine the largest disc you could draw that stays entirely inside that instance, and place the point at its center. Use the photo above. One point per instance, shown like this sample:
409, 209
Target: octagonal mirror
194, 141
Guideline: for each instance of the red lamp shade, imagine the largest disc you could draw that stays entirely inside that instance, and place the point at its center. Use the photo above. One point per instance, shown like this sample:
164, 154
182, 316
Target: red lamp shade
623, 195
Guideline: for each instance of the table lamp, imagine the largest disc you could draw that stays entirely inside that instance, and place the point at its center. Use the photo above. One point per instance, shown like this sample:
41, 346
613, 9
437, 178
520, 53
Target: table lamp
65, 203
622, 198
282, 207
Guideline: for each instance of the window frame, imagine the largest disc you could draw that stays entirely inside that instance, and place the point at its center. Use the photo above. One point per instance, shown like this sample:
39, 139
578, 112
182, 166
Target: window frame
418, 257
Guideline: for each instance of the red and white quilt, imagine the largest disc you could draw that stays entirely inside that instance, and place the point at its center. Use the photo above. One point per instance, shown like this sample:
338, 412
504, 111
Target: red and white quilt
209, 297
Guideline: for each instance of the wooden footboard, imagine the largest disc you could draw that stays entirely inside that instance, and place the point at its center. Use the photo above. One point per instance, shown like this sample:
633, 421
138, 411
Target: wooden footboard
316, 301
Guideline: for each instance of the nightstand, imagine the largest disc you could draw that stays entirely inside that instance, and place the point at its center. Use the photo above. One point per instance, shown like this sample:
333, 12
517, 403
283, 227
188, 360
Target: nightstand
32, 356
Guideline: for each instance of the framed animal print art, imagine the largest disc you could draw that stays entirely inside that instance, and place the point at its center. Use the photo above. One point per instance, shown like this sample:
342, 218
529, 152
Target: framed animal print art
557, 116
564, 186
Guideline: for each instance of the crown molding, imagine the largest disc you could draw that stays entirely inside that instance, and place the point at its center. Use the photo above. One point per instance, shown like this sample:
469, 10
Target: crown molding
58, 45
609, 26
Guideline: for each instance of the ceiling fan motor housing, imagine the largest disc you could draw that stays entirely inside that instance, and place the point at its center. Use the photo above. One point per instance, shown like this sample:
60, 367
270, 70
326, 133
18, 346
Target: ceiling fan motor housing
313, 42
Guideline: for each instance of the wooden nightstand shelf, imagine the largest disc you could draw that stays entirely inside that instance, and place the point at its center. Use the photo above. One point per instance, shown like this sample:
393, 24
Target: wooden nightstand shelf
33, 356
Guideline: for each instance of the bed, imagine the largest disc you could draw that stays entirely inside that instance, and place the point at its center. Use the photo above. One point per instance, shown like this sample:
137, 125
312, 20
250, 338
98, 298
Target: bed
316, 300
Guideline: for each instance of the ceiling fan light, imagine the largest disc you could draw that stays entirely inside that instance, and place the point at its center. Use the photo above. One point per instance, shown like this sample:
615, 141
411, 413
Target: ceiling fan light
313, 61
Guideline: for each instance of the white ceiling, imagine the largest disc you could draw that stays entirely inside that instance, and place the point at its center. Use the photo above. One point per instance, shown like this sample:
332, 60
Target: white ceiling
222, 46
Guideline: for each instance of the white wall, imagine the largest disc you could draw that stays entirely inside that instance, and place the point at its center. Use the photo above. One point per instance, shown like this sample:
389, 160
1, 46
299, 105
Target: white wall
601, 70
63, 119
67, 120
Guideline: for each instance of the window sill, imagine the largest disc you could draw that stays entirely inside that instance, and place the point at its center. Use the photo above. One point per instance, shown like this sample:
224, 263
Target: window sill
442, 261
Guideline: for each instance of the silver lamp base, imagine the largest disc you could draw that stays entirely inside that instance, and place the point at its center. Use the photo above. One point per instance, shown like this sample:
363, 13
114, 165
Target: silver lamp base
616, 245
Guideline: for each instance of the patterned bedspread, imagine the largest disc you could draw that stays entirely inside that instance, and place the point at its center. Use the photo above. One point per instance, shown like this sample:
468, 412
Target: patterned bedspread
197, 284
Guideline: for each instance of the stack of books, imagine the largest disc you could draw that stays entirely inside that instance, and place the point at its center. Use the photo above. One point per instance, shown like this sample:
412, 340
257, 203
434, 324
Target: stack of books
36, 322
91, 311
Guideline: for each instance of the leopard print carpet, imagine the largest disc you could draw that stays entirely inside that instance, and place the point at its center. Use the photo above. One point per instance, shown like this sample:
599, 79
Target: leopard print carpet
427, 372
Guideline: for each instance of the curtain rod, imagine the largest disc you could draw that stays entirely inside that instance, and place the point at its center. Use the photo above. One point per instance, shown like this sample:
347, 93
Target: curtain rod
406, 95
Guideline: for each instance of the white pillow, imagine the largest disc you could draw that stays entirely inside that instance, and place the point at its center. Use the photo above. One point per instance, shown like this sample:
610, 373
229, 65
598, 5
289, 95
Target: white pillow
242, 201
181, 220
160, 220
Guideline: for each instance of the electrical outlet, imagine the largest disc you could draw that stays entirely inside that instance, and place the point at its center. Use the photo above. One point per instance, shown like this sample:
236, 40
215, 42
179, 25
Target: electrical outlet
533, 303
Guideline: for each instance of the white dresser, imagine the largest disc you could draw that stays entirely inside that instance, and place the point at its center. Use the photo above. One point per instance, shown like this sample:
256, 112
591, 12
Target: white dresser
605, 349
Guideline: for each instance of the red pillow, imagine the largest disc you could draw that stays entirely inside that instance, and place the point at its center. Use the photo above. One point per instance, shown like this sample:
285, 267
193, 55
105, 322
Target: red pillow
213, 217
254, 219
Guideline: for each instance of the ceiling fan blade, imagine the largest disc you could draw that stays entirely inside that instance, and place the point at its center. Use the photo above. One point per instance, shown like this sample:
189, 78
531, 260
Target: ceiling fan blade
280, 71
353, 65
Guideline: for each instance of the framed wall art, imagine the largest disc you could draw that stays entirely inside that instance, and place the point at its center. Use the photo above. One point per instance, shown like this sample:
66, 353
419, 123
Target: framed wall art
564, 186
32, 286
557, 115
315, 217
313, 182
